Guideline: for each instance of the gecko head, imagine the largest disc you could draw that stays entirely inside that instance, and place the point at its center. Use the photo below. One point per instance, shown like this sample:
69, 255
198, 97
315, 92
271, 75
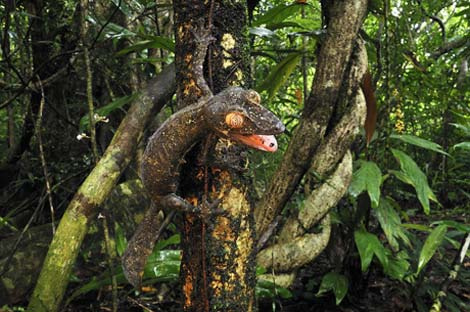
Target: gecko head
236, 113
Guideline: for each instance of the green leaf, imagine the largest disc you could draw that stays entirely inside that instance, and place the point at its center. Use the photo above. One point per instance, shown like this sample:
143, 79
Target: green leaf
121, 241
172, 240
279, 74
161, 266
417, 227
411, 174
462, 145
411, 139
369, 245
163, 263
433, 241
464, 128
336, 282
465, 228
114, 31
261, 32
397, 266
105, 110
267, 289
277, 14
391, 224
156, 42
367, 178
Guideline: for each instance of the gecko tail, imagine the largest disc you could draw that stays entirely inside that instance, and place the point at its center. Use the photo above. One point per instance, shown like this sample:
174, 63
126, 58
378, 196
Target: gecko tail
140, 247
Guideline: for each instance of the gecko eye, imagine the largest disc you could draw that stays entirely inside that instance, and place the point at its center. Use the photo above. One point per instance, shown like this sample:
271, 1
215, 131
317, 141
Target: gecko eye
253, 97
234, 120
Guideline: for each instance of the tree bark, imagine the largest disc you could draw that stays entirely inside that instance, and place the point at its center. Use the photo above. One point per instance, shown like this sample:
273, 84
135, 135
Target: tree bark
218, 268
73, 226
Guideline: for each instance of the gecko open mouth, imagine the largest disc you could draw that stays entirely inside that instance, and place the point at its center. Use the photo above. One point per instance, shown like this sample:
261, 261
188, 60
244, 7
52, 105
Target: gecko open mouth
265, 143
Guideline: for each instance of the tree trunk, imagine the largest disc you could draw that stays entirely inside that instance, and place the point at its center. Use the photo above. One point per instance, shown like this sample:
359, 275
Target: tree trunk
73, 226
218, 269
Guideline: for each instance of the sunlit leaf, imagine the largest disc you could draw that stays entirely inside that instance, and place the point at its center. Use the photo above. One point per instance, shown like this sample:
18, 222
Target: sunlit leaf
462, 145
335, 282
367, 178
433, 241
261, 32
411, 174
411, 139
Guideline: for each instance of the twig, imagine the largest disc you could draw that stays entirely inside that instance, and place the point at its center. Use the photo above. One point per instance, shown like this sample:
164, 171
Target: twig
111, 255
20, 237
304, 63
41, 155
89, 81
139, 304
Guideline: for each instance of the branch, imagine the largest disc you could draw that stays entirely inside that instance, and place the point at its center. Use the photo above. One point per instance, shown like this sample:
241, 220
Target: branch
73, 226
333, 59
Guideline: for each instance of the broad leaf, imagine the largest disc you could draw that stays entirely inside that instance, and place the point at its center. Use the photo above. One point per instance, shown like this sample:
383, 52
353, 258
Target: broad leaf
368, 244
397, 266
430, 246
391, 224
162, 265
279, 74
464, 128
411, 174
336, 282
367, 178
462, 145
411, 139
261, 32
277, 14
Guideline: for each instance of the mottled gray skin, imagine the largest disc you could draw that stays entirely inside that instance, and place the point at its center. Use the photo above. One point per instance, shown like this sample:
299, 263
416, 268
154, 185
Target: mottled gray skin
165, 152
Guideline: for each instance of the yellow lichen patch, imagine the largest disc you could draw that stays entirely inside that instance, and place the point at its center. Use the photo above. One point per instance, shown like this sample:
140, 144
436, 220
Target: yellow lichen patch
188, 290
216, 285
180, 31
244, 249
222, 230
227, 62
188, 58
190, 87
228, 42
238, 76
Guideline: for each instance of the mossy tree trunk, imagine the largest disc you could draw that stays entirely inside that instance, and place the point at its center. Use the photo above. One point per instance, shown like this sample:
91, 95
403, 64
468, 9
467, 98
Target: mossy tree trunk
63, 251
218, 269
